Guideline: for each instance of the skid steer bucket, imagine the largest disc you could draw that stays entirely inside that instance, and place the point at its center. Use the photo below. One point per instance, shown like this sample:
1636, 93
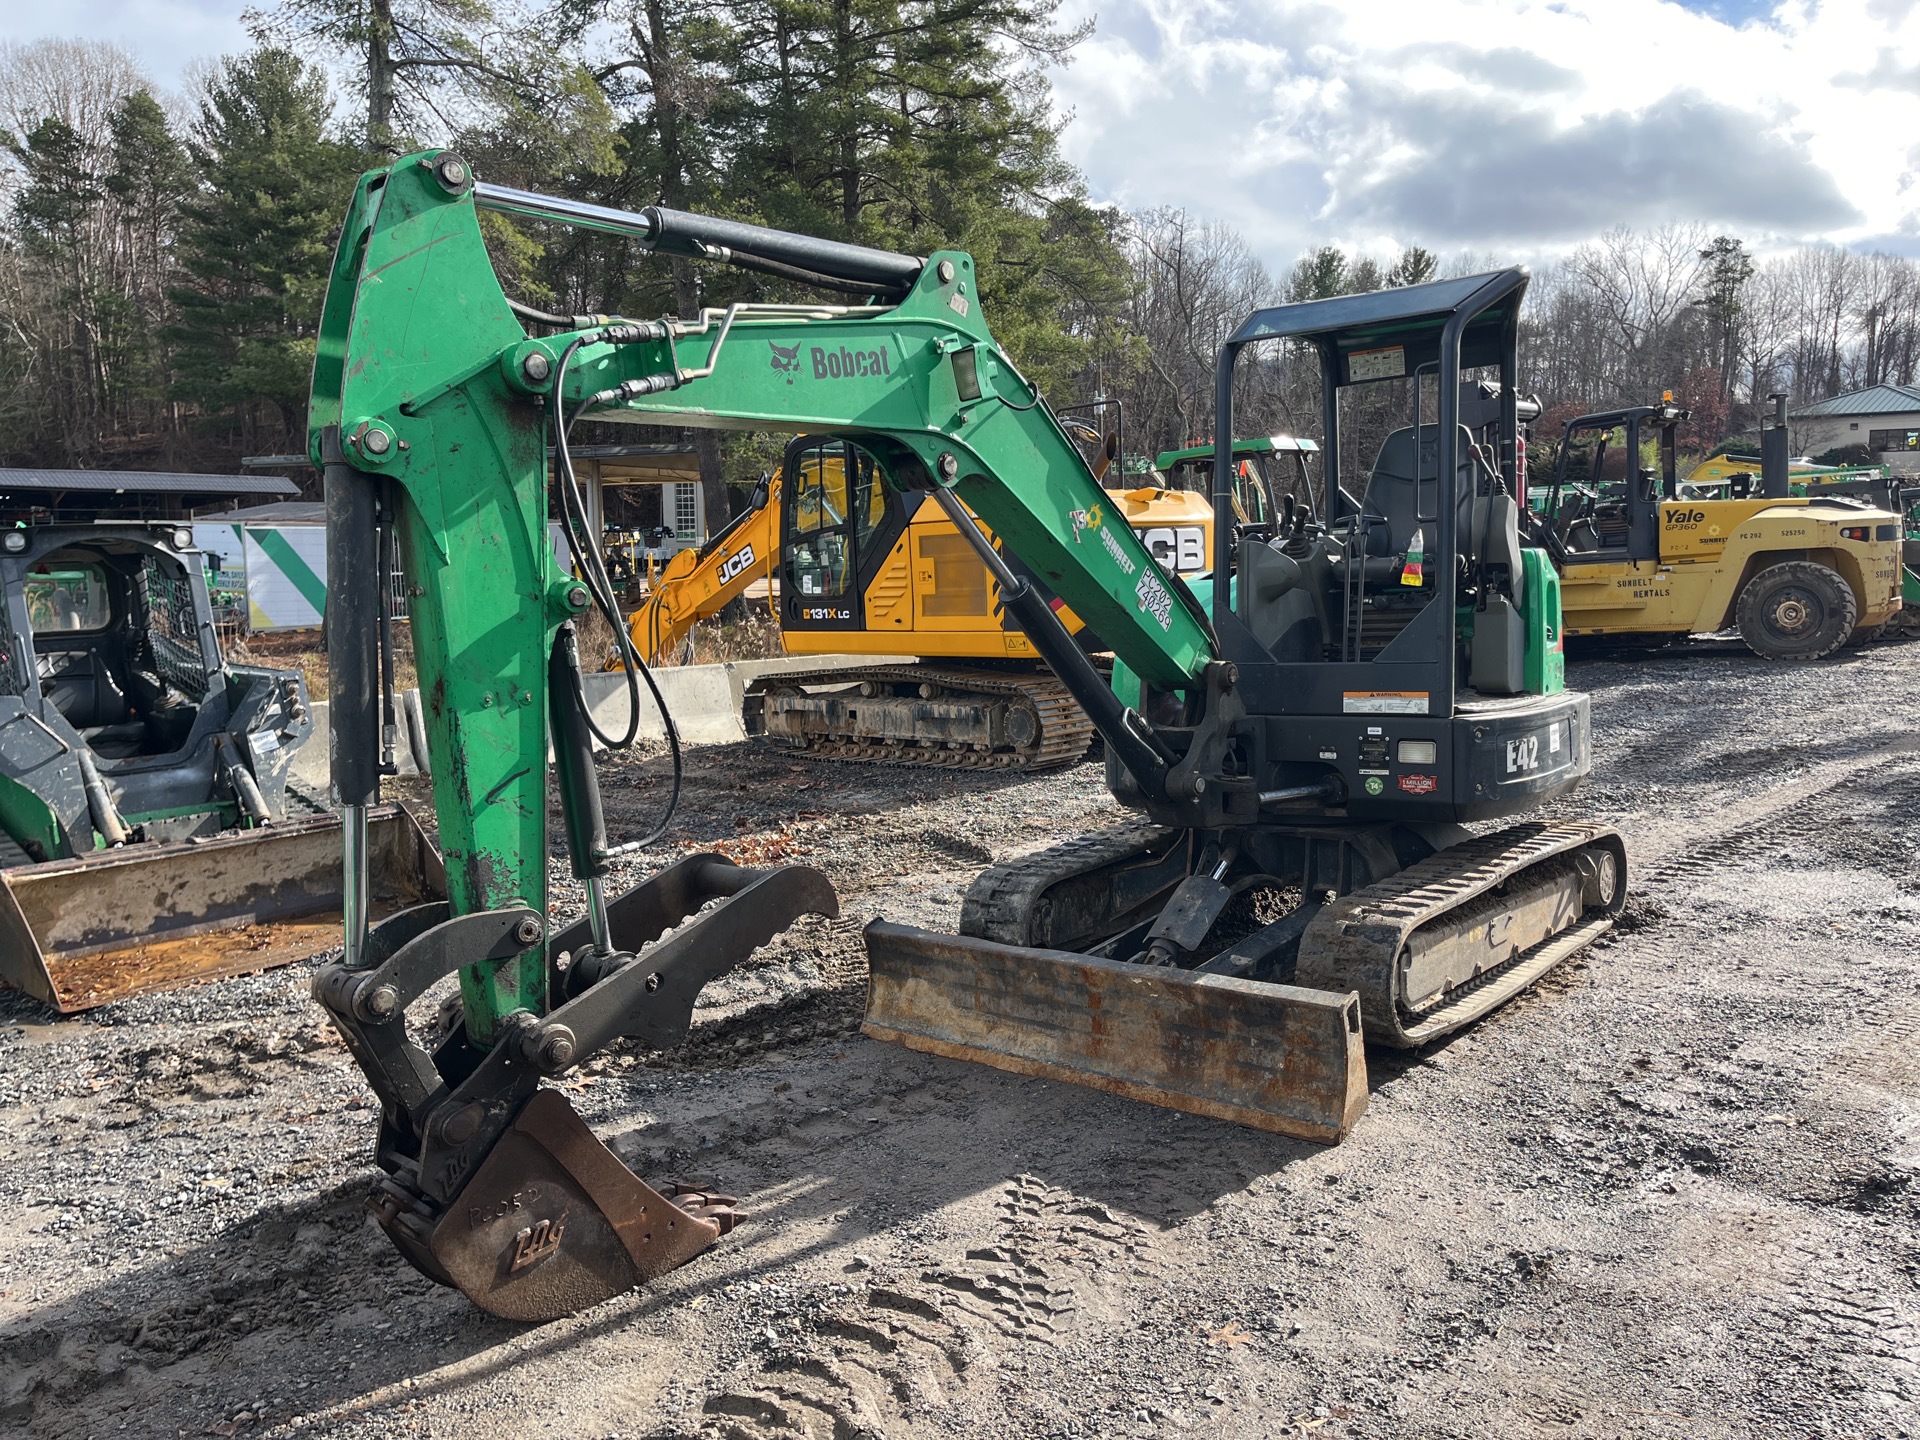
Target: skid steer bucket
1276, 1057
80, 933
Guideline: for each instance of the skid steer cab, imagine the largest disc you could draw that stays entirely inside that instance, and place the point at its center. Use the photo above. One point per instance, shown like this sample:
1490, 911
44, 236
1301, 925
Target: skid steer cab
117, 710
148, 835
1799, 576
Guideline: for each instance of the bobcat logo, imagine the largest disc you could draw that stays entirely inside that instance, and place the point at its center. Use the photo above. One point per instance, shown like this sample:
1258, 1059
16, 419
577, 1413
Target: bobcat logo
786, 359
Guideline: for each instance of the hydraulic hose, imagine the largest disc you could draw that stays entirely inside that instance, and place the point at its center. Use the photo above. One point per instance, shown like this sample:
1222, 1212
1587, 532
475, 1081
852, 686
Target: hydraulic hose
593, 574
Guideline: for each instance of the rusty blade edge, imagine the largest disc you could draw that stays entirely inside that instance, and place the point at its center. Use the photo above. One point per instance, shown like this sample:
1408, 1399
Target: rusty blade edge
1267, 1120
1279, 1058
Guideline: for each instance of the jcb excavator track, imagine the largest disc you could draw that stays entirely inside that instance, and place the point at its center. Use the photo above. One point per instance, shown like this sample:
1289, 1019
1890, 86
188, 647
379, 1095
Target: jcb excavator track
1037, 705
1570, 875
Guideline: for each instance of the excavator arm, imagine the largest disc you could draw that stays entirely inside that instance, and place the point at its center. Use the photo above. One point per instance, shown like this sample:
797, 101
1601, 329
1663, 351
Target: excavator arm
698, 584
922, 384
491, 1182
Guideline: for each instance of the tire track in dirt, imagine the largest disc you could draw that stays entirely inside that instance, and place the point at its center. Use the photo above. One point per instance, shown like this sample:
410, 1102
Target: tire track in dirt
1057, 1262
1885, 779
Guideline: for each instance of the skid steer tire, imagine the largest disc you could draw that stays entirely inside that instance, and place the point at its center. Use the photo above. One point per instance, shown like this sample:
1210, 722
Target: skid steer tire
1798, 610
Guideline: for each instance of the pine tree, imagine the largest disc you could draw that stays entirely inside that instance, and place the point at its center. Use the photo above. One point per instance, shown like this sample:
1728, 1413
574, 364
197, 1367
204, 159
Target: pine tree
408, 54
1415, 266
256, 242
917, 125
1724, 279
1317, 275
149, 178
54, 214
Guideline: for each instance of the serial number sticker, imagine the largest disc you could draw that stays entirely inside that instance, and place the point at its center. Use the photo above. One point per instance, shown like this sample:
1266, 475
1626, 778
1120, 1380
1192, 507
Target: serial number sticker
1381, 364
1383, 702
1154, 598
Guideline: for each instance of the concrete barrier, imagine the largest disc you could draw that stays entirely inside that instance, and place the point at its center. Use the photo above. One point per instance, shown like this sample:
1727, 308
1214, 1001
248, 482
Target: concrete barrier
705, 700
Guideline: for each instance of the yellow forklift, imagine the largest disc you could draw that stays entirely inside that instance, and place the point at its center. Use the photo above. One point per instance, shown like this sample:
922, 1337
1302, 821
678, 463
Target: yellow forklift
1798, 576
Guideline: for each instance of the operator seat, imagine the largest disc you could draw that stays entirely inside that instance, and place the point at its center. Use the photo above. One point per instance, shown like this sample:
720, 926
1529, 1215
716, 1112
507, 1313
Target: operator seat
1405, 485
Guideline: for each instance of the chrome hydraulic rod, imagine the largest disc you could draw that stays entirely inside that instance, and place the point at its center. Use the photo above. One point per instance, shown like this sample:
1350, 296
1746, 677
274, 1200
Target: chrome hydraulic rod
1124, 729
356, 881
353, 673
708, 237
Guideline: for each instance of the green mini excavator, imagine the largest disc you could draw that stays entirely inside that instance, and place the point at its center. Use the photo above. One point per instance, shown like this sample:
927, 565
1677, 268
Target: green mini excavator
1305, 740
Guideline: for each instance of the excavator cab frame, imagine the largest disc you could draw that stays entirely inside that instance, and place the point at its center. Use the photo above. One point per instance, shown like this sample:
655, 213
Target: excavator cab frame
1330, 661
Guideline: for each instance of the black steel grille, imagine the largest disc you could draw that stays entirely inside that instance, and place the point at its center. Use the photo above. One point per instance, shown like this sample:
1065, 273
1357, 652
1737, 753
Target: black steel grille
173, 638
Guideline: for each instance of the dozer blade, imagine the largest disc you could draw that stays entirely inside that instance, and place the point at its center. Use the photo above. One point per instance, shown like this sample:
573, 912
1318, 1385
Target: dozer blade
1276, 1057
552, 1222
80, 933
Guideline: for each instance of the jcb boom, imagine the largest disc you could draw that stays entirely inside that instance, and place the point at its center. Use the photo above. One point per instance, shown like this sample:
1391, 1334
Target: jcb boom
696, 585
1304, 748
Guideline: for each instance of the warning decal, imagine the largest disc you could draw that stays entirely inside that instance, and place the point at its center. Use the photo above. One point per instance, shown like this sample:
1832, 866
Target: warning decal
1381, 364
1384, 702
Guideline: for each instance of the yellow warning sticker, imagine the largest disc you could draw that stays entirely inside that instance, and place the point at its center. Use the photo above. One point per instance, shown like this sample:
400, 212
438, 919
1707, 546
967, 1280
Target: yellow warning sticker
1384, 702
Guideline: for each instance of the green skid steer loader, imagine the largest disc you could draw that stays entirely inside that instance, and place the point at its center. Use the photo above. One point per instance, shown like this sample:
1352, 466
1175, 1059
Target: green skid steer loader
148, 835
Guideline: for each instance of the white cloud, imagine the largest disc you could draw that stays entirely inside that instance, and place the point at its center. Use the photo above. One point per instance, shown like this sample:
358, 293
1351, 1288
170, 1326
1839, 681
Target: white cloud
1515, 127
165, 37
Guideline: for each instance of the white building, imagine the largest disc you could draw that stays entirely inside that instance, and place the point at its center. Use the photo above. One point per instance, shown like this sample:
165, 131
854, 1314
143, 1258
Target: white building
1884, 418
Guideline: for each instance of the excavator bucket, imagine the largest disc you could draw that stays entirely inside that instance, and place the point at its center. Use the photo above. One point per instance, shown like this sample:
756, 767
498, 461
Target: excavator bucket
553, 1222
1275, 1057
80, 933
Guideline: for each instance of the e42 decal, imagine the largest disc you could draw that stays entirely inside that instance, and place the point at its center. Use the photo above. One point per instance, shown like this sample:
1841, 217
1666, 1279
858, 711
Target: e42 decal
1523, 755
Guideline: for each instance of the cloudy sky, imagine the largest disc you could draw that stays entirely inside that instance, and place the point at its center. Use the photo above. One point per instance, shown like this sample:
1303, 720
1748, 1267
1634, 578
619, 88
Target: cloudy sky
1513, 128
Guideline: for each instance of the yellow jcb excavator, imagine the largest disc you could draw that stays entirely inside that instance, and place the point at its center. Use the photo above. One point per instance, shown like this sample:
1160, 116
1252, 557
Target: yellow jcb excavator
865, 570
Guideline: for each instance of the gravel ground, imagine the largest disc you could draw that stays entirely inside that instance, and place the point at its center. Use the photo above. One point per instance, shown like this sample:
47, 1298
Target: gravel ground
1669, 1193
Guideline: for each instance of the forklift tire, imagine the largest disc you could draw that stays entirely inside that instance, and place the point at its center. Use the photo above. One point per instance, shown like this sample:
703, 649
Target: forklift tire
1799, 610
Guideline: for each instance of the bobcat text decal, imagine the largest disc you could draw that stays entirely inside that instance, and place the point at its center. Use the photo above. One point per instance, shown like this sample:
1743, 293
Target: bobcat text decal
845, 364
